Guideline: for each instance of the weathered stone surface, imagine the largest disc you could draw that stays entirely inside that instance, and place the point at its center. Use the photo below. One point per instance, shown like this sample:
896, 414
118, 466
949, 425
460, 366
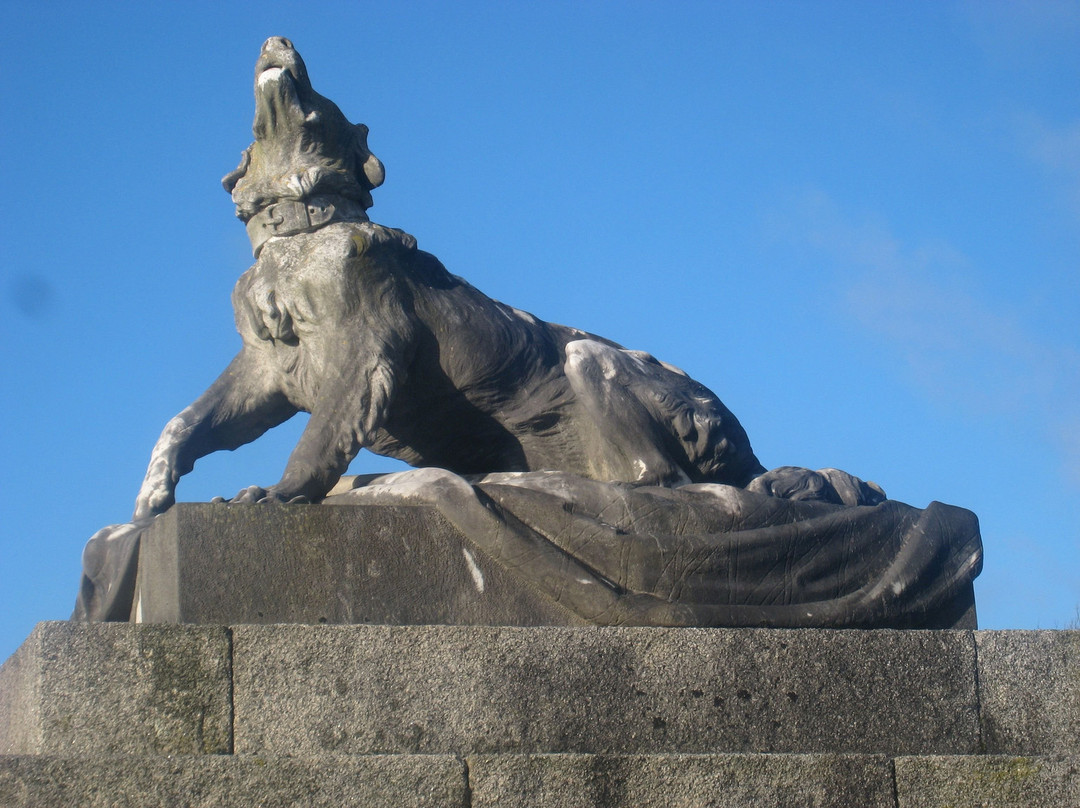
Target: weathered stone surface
231, 782
674, 781
109, 714
216, 563
20, 697
472, 690
107, 688
987, 782
1029, 691
401, 564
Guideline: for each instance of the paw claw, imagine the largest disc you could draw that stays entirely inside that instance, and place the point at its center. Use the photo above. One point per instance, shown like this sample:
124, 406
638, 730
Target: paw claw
267, 496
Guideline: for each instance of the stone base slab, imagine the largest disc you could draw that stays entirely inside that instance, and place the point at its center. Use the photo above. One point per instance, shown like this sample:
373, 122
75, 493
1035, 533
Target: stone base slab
478, 689
399, 565
345, 564
1029, 691
995, 781
539, 781
310, 690
106, 688
545, 717
663, 781
102, 781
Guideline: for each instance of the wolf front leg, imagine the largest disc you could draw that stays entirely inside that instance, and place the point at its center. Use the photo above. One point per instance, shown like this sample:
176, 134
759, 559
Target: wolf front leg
237, 408
348, 411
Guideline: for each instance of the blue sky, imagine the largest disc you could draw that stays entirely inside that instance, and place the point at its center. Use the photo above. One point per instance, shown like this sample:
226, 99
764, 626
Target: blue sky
858, 223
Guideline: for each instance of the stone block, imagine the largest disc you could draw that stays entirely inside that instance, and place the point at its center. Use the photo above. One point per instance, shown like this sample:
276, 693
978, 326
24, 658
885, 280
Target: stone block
77, 688
348, 563
674, 781
227, 564
231, 782
987, 782
20, 697
483, 690
1029, 691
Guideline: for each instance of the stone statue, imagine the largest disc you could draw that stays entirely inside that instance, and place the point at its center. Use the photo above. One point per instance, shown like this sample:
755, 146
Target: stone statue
388, 351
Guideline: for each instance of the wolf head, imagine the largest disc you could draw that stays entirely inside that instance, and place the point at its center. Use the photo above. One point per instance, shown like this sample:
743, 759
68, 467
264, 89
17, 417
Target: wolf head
304, 146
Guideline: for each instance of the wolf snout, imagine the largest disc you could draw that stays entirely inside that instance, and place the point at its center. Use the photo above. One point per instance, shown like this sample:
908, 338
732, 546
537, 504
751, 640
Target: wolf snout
277, 43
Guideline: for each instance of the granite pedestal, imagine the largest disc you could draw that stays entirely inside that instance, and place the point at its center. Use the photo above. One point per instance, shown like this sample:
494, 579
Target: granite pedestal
367, 656
539, 716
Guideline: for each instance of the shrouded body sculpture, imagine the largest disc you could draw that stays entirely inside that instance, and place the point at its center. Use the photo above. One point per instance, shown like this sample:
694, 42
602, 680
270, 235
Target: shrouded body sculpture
349, 321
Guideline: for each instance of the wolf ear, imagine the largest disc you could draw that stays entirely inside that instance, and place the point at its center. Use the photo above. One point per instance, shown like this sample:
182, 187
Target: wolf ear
229, 181
366, 162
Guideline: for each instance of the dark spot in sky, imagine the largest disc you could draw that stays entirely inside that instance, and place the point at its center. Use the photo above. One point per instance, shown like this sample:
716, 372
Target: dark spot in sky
32, 296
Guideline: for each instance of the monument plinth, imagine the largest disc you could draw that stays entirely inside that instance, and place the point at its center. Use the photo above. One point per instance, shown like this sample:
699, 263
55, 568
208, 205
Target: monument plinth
543, 612
545, 717
384, 564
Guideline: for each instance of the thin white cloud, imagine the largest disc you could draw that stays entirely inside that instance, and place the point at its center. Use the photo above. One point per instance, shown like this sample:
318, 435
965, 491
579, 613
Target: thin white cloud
1068, 435
1057, 150
1035, 41
962, 349
1019, 34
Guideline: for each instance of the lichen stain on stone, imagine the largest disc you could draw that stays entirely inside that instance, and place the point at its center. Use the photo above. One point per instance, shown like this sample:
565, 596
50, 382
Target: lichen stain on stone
1016, 770
998, 779
181, 693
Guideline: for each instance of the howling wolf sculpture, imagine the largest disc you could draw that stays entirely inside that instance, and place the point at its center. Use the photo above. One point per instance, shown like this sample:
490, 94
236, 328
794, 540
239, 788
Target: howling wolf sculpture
388, 351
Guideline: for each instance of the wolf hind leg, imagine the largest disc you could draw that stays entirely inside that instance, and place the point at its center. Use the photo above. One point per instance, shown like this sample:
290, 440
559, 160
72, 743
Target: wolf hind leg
624, 438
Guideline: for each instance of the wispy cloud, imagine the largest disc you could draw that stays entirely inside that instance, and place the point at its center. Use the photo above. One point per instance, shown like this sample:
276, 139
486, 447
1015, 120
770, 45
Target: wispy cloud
959, 347
1022, 33
963, 350
1031, 42
1056, 149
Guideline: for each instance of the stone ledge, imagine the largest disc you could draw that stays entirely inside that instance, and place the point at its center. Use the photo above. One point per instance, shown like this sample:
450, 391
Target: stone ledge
997, 781
539, 781
102, 781
665, 781
465, 690
1029, 691
116, 688
77, 688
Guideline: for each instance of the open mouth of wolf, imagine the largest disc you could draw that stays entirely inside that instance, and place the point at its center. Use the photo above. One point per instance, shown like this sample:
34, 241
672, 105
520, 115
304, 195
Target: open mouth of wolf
272, 74
278, 101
